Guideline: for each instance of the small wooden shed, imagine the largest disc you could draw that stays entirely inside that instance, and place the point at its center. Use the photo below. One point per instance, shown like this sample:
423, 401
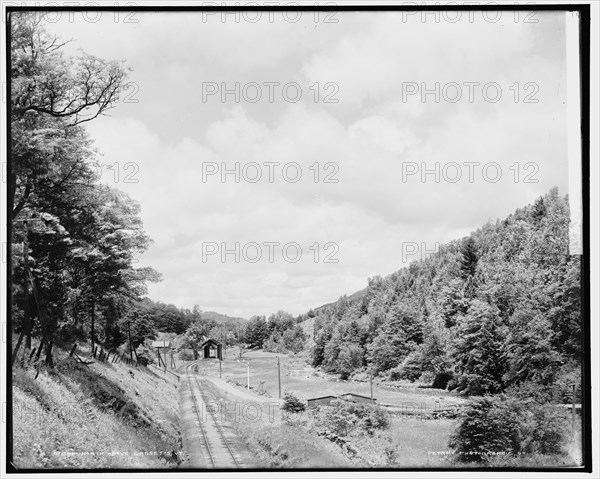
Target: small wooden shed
357, 398
211, 349
320, 401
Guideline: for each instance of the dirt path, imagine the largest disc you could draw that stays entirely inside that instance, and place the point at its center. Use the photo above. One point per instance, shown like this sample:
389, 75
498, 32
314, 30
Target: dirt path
242, 394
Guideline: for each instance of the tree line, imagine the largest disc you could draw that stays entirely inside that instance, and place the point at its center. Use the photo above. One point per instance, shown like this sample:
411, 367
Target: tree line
280, 333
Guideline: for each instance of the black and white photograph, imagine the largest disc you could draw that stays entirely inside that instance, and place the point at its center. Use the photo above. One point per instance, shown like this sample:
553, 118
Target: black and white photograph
336, 239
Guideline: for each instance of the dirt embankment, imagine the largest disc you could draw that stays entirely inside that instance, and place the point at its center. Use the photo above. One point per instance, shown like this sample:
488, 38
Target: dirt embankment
101, 415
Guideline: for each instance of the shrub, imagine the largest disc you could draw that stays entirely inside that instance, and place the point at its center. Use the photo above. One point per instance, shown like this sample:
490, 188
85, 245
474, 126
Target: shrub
360, 375
376, 418
292, 404
442, 379
144, 358
504, 424
70, 333
569, 374
349, 359
544, 428
336, 419
185, 355
410, 369
488, 426
343, 417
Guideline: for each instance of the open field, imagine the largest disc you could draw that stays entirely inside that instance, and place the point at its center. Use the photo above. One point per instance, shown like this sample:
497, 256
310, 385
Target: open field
306, 382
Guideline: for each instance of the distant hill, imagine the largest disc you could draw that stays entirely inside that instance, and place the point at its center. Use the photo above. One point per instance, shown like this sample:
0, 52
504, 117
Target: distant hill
222, 318
351, 297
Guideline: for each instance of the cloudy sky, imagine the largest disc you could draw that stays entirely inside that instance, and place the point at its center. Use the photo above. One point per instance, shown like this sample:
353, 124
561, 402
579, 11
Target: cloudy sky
352, 97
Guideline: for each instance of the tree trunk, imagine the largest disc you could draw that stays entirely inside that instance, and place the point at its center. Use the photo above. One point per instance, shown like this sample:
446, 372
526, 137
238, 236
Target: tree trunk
48, 348
27, 326
130, 345
39, 350
17, 347
76, 311
92, 333
12, 190
28, 319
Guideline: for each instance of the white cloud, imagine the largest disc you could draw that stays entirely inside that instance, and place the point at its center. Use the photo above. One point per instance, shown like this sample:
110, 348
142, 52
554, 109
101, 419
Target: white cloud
368, 136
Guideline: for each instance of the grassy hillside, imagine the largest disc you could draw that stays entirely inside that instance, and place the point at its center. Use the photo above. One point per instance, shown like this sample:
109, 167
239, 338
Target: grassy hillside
101, 415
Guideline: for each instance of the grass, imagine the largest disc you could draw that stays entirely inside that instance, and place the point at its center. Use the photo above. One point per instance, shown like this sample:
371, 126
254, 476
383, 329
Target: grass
410, 444
275, 444
99, 416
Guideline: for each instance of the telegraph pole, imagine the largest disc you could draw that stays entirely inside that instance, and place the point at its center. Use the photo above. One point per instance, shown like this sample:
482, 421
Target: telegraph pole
279, 376
573, 413
248, 377
130, 346
371, 381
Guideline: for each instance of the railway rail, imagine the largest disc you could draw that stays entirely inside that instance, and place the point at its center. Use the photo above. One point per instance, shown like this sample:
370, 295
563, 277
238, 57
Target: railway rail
216, 448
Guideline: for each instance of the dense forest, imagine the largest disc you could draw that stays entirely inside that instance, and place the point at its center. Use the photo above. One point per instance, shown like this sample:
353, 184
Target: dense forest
496, 310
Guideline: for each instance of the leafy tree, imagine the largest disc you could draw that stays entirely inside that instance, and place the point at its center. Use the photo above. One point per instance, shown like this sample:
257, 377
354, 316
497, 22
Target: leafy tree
113, 310
51, 95
77, 237
350, 358
529, 350
453, 303
257, 331
169, 318
478, 353
318, 353
331, 352
197, 333
139, 324
400, 334
469, 257
505, 424
280, 321
293, 339
488, 426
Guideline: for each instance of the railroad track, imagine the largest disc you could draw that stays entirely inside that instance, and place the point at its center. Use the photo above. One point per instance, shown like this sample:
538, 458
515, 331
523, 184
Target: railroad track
217, 450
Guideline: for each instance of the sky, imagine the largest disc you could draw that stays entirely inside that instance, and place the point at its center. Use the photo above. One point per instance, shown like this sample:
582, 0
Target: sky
360, 141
